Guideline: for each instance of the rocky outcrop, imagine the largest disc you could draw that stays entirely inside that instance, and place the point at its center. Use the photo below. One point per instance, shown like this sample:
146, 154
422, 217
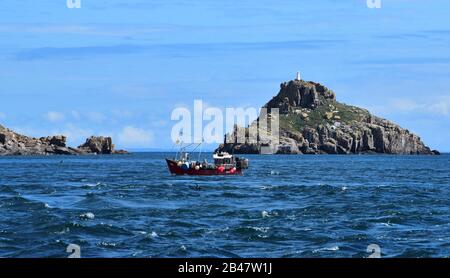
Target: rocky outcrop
12, 143
313, 122
300, 94
99, 145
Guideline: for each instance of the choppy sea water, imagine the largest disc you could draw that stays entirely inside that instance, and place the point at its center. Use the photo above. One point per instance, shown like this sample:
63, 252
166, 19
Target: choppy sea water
283, 206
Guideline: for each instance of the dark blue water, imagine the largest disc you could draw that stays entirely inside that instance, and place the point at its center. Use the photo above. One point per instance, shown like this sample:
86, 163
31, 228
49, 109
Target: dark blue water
283, 206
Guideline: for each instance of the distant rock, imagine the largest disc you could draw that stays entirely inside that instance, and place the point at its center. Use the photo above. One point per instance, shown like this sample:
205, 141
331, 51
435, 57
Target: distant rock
12, 143
313, 122
99, 145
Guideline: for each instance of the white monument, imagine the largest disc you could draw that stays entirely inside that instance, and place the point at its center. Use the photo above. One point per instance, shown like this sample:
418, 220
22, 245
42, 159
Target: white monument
298, 78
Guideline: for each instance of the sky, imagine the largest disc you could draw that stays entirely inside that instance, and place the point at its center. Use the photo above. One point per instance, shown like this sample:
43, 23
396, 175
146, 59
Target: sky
120, 67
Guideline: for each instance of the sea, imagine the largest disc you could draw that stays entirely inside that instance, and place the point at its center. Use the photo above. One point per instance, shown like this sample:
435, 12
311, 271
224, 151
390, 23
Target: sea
283, 206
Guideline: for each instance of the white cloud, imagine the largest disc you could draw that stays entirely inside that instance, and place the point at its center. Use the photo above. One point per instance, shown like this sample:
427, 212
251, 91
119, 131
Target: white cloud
441, 107
75, 135
437, 106
96, 117
127, 137
75, 114
159, 123
122, 114
54, 116
29, 131
403, 105
135, 137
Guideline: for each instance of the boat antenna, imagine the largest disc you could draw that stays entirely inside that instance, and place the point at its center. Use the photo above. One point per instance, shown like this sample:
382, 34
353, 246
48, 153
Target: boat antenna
200, 152
178, 141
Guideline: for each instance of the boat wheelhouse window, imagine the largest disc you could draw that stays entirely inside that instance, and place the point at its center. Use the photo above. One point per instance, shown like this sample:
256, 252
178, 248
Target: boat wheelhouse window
219, 161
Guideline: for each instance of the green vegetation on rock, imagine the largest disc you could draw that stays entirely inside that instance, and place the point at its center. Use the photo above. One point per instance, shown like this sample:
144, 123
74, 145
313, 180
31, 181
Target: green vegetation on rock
313, 122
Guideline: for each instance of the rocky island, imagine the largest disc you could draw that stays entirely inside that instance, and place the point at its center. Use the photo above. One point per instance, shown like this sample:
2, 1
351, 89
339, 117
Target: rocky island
311, 121
12, 143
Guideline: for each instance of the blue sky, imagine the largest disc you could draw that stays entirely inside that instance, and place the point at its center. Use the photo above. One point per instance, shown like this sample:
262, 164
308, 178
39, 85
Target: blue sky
118, 68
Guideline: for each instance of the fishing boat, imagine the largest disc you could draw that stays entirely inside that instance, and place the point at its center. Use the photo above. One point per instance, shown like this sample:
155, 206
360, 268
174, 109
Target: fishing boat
224, 164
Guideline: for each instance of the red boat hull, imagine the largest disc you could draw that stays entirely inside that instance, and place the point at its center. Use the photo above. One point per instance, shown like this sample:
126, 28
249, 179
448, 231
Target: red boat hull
176, 170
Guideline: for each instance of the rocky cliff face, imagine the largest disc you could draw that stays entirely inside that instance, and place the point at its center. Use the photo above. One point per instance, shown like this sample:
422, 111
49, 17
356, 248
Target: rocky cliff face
313, 122
99, 145
12, 143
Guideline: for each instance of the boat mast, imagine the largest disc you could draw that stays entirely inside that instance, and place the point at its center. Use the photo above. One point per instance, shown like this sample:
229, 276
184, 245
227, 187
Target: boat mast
178, 141
200, 152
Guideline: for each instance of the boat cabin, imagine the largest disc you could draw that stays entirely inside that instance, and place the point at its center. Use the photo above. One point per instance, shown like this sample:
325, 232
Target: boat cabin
223, 159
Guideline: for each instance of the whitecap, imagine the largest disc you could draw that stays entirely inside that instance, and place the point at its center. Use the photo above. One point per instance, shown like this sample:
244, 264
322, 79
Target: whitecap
63, 231
260, 229
106, 244
333, 248
265, 214
93, 184
87, 215
154, 234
